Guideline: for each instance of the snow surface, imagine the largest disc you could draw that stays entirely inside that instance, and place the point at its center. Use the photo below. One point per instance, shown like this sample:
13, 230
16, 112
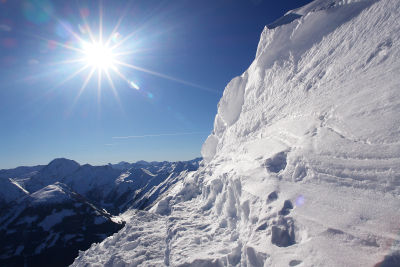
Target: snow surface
55, 218
55, 193
11, 190
303, 165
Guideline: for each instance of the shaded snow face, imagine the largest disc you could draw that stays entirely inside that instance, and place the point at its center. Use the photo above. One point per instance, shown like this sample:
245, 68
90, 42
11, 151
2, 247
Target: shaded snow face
303, 165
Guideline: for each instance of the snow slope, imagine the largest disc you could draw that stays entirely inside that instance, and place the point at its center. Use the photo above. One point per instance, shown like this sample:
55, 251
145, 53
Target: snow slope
12, 183
20, 172
303, 164
10, 191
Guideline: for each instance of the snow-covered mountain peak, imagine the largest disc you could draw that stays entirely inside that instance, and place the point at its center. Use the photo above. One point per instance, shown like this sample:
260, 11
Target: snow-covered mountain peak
20, 172
63, 163
142, 162
55, 171
59, 168
123, 165
51, 194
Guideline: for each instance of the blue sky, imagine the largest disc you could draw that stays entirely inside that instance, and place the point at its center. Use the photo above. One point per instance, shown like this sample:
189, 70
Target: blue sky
189, 50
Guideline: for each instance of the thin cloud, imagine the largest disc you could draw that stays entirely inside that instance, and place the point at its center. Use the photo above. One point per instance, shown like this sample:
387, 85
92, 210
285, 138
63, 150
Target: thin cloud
5, 28
155, 135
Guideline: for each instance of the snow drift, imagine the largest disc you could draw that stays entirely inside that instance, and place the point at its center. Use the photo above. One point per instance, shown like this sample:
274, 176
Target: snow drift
303, 164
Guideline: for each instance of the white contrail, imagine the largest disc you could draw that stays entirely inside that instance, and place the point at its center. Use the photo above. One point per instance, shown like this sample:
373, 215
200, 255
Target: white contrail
155, 135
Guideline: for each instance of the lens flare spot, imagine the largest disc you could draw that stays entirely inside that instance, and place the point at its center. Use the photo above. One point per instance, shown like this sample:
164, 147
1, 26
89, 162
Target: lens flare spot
134, 85
300, 200
115, 37
150, 95
37, 11
83, 28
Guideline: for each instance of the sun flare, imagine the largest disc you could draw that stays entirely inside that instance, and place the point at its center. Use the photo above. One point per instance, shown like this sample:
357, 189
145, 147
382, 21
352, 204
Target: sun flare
106, 54
98, 56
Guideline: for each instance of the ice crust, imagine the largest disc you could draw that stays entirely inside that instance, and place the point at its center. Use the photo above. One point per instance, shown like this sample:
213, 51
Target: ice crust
303, 165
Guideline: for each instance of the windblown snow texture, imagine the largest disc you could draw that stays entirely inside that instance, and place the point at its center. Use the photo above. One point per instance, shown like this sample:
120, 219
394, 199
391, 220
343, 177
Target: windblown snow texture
303, 164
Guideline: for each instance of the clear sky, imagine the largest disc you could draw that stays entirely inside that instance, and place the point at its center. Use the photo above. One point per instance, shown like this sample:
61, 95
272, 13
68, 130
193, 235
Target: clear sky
177, 58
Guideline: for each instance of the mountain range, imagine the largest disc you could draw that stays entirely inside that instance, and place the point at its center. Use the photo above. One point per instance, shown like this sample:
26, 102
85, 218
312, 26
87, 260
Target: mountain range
50, 212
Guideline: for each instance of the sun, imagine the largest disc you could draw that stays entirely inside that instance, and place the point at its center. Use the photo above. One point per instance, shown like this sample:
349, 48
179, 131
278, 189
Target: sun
98, 56
97, 53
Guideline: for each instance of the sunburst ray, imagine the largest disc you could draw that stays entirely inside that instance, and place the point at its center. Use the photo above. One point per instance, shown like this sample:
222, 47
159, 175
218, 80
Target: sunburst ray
73, 75
116, 27
86, 81
112, 86
164, 76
